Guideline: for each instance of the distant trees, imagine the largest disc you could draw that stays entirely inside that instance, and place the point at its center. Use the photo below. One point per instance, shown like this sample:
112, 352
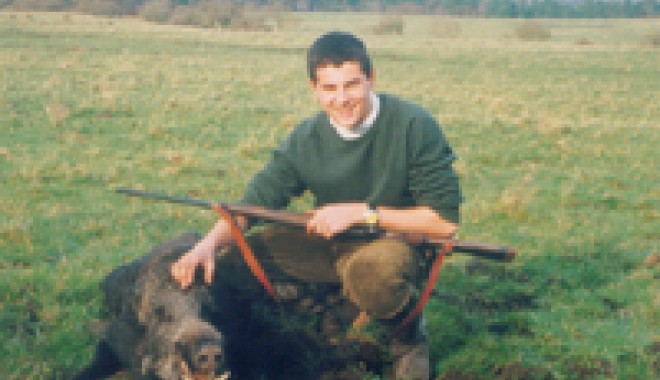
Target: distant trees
40, 5
157, 11
107, 7
206, 13
483, 8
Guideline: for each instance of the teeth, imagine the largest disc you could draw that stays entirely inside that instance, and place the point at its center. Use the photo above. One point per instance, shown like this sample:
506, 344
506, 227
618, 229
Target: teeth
224, 376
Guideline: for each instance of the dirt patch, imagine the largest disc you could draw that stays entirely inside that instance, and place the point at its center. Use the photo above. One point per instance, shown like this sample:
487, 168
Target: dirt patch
518, 371
654, 350
588, 367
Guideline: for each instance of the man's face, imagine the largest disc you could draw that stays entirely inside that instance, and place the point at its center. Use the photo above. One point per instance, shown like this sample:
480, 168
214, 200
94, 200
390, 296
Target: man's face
344, 93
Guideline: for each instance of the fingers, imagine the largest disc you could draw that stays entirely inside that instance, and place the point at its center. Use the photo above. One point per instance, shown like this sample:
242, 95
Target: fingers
332, 219
322, 227
313, 224
324, 231
209, 268
317, 225
183, 272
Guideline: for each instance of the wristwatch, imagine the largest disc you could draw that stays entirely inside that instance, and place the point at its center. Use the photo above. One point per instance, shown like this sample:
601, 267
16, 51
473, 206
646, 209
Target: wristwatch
371, 219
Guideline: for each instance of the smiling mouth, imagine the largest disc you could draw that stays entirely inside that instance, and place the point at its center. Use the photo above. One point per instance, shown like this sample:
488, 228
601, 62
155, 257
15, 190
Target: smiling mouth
345, 112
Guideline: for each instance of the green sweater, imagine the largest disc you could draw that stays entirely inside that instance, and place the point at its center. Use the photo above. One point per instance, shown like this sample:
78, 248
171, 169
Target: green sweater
403, 160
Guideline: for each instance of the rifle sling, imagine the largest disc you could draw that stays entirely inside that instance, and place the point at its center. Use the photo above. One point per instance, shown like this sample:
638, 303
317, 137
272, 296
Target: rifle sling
428, 289
246, 251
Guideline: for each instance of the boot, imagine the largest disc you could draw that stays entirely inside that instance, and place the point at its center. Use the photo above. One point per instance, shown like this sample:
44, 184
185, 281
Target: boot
410, 351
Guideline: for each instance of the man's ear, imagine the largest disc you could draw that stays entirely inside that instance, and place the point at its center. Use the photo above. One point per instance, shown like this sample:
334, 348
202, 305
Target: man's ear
372, 77
312, 86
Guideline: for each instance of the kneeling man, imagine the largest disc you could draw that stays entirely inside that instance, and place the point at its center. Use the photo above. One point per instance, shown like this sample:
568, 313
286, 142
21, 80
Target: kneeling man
369, 159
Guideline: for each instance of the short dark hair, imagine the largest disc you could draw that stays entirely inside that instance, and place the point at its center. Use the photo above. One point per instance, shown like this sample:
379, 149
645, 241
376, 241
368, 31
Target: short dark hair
335, 48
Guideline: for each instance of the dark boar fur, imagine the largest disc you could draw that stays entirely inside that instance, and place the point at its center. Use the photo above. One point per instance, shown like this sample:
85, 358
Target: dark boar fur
157, 330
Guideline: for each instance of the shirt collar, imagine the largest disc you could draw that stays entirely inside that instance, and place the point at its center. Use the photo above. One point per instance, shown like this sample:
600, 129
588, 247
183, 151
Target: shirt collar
360, 130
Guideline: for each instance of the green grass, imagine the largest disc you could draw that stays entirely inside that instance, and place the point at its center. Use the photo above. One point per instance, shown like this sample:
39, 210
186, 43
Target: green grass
558, 157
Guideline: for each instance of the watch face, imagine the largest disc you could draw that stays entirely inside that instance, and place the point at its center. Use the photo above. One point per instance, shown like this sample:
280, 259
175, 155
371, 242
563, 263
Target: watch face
371, 217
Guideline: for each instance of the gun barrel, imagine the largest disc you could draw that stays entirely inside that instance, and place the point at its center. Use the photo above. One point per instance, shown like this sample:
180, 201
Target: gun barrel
167, 198
487, 251
300, 219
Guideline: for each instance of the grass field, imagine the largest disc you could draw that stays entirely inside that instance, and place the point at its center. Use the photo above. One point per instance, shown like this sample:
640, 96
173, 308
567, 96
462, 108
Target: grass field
556, 141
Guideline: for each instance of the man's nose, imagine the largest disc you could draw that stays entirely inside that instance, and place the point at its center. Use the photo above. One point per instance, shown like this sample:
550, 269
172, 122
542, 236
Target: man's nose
341, 96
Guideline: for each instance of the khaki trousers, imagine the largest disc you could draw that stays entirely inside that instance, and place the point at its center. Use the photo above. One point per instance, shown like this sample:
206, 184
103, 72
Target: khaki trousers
379, 276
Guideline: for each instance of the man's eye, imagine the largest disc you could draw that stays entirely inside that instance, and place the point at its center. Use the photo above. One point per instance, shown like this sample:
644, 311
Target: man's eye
353, 84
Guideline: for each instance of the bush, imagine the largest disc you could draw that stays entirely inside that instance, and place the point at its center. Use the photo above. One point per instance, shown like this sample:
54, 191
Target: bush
286, 21
253, 23
532, 30
653, 39
584, 41
38, 5
156, 11
185, 15
217, 13
210, 14
407, 8
207, 14
104, 7
392, 25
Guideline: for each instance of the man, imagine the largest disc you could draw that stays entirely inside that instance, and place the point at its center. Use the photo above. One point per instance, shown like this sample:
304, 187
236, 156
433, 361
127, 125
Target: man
368, 159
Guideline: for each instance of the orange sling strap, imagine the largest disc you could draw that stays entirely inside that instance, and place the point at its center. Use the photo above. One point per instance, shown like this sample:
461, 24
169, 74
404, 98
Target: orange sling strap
247, 253
428, 289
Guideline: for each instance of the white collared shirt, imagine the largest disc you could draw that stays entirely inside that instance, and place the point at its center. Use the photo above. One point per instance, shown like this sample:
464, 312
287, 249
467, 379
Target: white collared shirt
358, 131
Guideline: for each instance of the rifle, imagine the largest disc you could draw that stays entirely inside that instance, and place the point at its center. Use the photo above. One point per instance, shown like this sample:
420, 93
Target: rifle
298, 219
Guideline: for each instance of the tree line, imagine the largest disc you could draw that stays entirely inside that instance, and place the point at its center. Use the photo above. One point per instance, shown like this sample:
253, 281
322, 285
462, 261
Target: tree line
480, 8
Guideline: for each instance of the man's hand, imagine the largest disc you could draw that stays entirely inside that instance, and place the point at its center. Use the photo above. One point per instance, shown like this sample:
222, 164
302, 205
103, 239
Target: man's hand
202, 254
415, 223
336, 218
